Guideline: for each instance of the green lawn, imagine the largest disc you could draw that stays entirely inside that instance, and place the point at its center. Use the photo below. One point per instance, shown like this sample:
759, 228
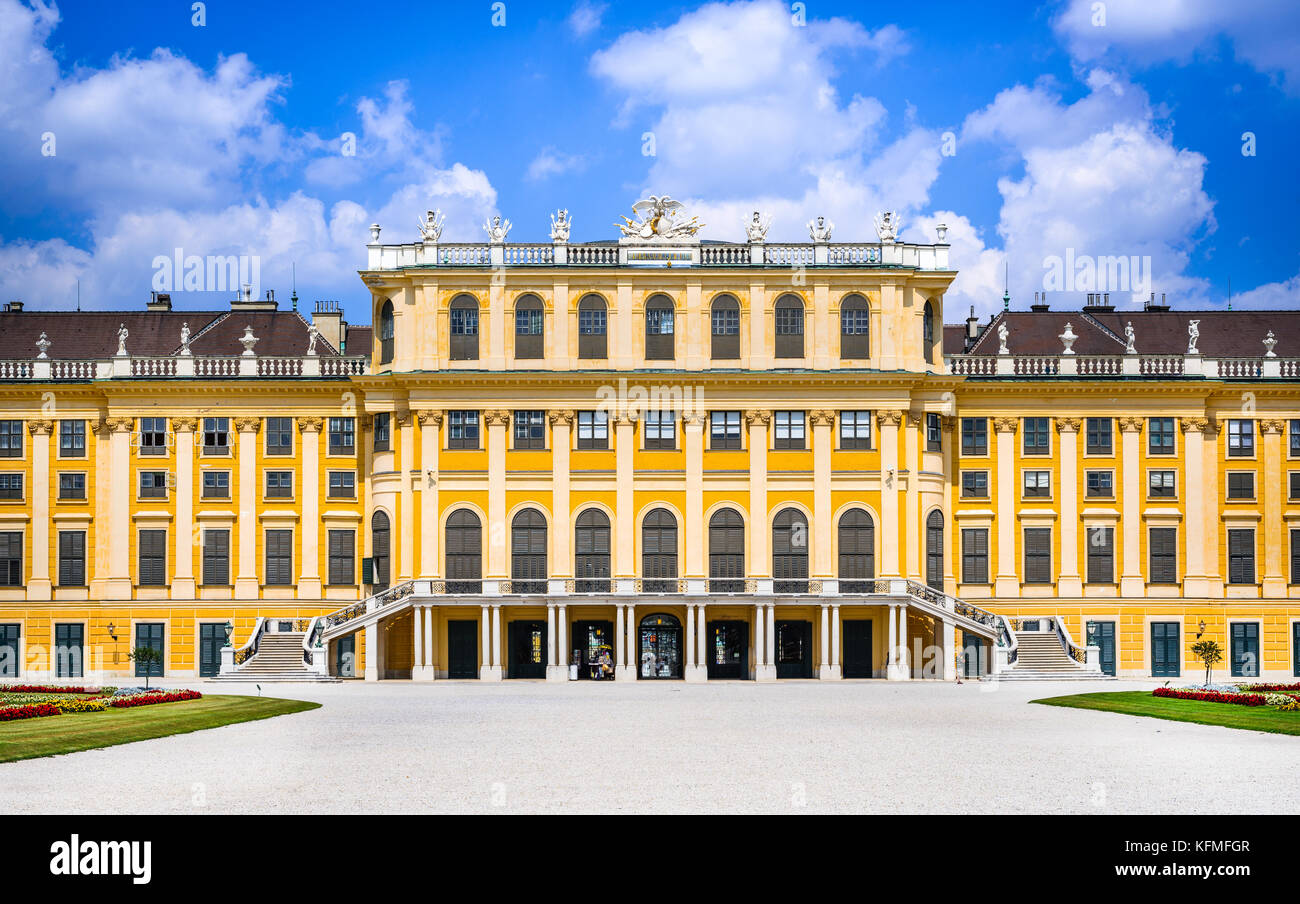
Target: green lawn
1141, 703
50, 735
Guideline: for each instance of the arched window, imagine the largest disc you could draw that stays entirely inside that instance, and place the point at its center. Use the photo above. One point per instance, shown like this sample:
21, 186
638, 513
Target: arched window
464, 552
855, 321
386, 330
659, 552
790, 552
379, 551
591, 552
934, 550
726, 327
789, 327
659, 328
530, 339
592, 328
726, 552
927, 332
464, 328
528, 552
857, 542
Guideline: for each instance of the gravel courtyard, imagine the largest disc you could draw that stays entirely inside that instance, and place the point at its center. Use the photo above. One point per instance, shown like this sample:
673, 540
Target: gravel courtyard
515, 747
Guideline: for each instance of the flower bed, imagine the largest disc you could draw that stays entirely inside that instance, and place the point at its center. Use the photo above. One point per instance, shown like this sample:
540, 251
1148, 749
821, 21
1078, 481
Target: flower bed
1211, 696
30, 704
151, 698
1293, 688
50, 689
31, 711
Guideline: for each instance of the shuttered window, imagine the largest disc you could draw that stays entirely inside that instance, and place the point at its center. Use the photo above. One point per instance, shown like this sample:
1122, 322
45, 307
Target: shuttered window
11, 558
789, 327
659, 329
592, 328
975, 555
1101, 555
1241, 557
857, 542
153, 558
528, 552
216, 557
726, 551
72, 558
1295, 566
591, 549
530, 338
342, 557
934, 550
855, 326
464, 551
659, 547
1038, 555
725, 317
790, 552
279, 557
1162, 546
464, 329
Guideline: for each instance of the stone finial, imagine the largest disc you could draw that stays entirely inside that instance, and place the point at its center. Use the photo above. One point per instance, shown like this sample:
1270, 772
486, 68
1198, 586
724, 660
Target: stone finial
1068, 338
374, 233
248, 340
942, 231
1269, 343
44, 344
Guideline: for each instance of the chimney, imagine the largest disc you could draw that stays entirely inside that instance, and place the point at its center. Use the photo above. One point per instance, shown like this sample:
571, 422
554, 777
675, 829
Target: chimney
1098, 303
328, 317
1156, 308
159, 301
246, 301
13, 307
1040, 307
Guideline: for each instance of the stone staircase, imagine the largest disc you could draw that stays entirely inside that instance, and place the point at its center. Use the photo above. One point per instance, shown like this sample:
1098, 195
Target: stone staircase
1040, 657
278, 658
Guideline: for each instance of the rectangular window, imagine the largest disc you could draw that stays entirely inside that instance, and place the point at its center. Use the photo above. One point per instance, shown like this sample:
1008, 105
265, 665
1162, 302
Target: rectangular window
11, 486
724, 430
342, 556
1295, 579
153, 484
11, 558
593, 429
153, 558
216, 435
72, 485
975, 555
462, 430
933, 433
789, 430
1161, 484
1241, 438
1100, 440
216, 557
1100, 483
1294, 435
528, 321
1162, 547
279, 436
529, 429
279, 557
343, 485
279, 484
1294, 479
11, 439
72, 439
975, 484
1241, 556
1037, 438
72, 558
974, 436
1160, 436
153, 436
343, 436
1101, 555
1038, 555
855, 429
216, 484
1038, 484
380, 434
1241, 484
660, 429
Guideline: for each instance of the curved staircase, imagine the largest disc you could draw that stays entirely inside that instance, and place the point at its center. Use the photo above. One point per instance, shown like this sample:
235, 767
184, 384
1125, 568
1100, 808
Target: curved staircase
279, 657
1040, 656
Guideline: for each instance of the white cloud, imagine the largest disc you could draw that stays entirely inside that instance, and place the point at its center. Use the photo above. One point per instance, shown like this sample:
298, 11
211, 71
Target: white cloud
551, 162
1275, 296
585, 18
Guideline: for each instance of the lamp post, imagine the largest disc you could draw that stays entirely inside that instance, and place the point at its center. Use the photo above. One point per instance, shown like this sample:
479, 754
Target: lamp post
230, 630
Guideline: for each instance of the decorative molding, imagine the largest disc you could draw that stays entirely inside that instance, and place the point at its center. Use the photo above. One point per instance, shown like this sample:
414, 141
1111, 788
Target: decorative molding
1006, 424
496, 418
1130, 425
948, 421
40, 427
823, 418
119, 424
1068, 424
889, 418
562, 416
402, 417
185, 424
756, 417
1195, 424
248, 424
625, 419
693, 418
914, 419
310, 424
1272, 425
429, 417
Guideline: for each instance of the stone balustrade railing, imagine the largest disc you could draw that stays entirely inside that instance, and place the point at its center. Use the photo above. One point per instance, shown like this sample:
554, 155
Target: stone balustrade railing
181, 366
1145, 366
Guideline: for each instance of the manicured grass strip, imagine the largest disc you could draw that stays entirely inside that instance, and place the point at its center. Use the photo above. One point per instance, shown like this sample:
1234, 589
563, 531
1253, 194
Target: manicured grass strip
1141, 703
69, 733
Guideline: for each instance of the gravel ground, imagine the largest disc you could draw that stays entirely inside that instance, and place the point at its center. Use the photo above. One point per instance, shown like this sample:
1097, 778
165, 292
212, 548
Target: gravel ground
876, 747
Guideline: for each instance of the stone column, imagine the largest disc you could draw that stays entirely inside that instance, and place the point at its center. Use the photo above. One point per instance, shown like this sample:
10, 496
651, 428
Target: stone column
761, 664
562, 640
498, 559
824, 660
246, 581
696, 542
552, 663
1069, 583
758, 564
430, 446
406, 565
372, 672
39, 586
837, 670
1272, 529
309, 582
891, 645
620, 637
771, 638
701, 641
904, 655
1007, 582
417, 642
485, 640
430, 659
633, 655
823, 430
689, 672
561, 561
1131, 582
118, 585
624, 513
1194, 576
497, 670
949, 671
889, 479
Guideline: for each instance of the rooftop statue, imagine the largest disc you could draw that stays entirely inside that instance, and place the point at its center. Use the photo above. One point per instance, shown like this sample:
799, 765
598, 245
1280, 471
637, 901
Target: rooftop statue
1130, 340
1003, 332
820, 229
497, 230
431, 226
756, 228
888, 225
560, 225
1193, 333
658, 221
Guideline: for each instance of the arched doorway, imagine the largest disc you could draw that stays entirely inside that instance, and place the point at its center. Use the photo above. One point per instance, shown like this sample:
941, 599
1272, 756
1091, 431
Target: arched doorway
659, 647
380, 546
934, 550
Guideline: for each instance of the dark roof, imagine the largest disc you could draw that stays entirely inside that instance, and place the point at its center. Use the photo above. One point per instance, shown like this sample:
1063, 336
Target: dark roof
1038, 332
954, 338
358, 340
279, 334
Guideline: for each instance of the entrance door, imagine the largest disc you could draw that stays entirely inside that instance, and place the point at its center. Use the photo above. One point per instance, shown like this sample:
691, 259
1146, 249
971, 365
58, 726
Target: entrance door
794, 649
9, 651
69, 648
345, 656
212, 637
857, 648
527, 650
462, 649
1166, 654
728, 650
1102, 634
659, 647
972, 654
593, 648
149, 634
1245, 650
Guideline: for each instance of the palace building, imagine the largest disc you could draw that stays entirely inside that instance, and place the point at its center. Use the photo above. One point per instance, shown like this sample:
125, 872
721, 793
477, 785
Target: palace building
653, 457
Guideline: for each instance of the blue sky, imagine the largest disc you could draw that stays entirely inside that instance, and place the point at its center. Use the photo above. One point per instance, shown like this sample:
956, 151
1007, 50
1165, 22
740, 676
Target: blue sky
1031, 130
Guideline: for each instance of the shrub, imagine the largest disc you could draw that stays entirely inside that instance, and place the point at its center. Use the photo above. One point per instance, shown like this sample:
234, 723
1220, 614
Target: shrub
1210, 696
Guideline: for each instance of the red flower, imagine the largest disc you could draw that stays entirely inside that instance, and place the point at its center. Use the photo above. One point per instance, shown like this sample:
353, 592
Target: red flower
1210, 696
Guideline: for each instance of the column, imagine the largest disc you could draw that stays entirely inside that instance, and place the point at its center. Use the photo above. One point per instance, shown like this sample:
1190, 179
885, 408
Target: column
417, 641
1193, 526
761, 663
485, 641
904, 655
633, 656
561, 533
701, 643
624, 507
696, 543
1069, 583
1007, 582
406, 565
183, 586
620, 648
309, 582
1130, 581
949, 671
889, 527
837, 670
496, 643
430, 446
562, 640
758, 564
246, 582
911, 530
824, 661
823, 430
497, 426
771, 638
891, 645
372, 652
689, 672
430, 660
1272, 529
39, 586
552, 663
118, 540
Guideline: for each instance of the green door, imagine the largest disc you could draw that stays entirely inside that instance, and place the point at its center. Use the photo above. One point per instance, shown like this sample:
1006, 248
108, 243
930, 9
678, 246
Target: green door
212, 637
973, 663
69, 650
1245, 650
1166, 653
1102, 635
149, 634
345, 657
462, 649
9, 651
857, 648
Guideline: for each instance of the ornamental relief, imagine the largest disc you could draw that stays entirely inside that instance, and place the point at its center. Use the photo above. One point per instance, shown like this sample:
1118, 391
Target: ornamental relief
1006, 424
1068, 424
1131, 424
1272, 425
429, 417
889, 418
40, 428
